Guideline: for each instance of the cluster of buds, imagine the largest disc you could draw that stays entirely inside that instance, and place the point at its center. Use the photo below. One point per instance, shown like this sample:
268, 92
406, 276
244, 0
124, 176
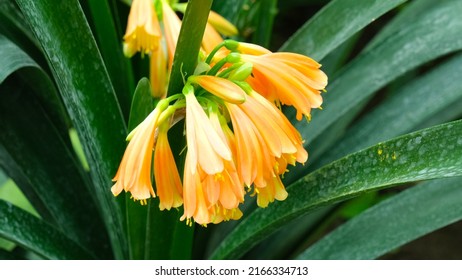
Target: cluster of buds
238, 140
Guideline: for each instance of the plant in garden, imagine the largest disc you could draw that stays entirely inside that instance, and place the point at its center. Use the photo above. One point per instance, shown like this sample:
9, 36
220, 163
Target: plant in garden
217, 128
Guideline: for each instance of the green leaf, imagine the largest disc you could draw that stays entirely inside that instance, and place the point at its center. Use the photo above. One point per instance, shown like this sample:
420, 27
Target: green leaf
333, 62
280, 244
11, 193
411, 12
15, 28
189, 43
110, 45
34, 234
433, 34
70, 208
166, 236
431, 153
334, 24
404, 111
88, 96
231, 10
393, 222
16, 173
3, 177
142, 104
8, 255
13, 59
137, 214
267, 10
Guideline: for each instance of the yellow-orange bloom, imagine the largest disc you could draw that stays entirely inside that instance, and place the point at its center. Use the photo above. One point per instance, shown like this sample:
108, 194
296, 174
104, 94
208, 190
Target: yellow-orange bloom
158, 72
227, 188
221, 24
258, 105
205, 147
143, 30
265, 143
172, 26
223, 88
210, 199
168, 182
211, 38
252, 49
216, 25
273, 190
255, 163
289, 78
134, 173
195, 202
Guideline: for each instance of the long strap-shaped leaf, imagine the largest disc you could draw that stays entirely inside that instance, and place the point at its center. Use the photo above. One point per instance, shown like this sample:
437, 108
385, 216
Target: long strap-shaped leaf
34, 234
394, 222
189, 42
88, 95
404, 111
431, 153
12, 59
109, 43
434, 33
334, 24
51, 177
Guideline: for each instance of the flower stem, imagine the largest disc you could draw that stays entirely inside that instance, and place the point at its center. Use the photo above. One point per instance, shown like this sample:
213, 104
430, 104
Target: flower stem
189, 42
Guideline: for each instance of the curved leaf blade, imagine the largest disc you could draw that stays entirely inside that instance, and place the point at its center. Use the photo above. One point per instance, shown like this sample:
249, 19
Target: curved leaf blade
137, 214
110, 45
88, 96
403, 111
416, 43
189, 43
392, 223
434, 34
34, 234
334, 24
36, 157
431, 153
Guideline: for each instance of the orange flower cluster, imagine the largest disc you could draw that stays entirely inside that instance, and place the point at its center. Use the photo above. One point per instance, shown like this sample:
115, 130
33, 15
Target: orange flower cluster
144, 34
238, 140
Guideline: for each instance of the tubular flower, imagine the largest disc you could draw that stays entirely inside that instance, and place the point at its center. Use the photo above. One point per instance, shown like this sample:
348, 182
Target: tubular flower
211, 38
158, 72
205, 146
168, 182
254, 161
294, 80
222, 25
143, 30
216, 25
262, 147
223, 88
134, 173
206, 197
212, 198
172, 26
226, 189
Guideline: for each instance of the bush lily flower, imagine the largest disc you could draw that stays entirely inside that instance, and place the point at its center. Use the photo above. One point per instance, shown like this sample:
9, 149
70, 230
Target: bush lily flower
237, 139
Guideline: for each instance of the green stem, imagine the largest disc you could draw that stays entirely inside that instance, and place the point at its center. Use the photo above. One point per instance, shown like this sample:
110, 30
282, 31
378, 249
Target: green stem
264, 22
189, 42
217, 67
214, 51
